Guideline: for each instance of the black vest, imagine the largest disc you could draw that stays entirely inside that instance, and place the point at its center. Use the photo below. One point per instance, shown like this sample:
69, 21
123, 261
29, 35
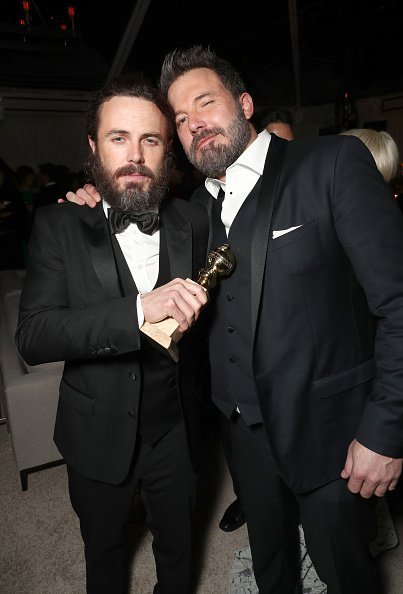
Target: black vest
230, 333
159, 409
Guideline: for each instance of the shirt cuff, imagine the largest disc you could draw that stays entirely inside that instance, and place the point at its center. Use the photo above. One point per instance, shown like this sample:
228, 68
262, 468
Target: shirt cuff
140, 313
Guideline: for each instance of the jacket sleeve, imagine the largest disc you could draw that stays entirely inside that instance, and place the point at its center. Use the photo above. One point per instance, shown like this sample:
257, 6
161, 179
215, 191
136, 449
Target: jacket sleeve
370, 226
63, 316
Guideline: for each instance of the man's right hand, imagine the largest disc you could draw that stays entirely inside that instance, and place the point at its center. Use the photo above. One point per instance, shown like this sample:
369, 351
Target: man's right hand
86, 195
180, 299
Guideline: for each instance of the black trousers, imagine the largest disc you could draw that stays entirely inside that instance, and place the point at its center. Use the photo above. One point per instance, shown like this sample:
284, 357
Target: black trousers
226, 443
167, 483
338, 525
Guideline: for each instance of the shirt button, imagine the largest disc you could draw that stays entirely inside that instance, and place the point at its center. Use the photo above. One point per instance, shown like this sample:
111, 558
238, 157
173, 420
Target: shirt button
232, 359
132, 376
228, 297
230, 329
132, 414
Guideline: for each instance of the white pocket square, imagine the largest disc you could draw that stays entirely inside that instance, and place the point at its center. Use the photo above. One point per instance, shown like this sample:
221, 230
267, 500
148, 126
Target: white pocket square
284, 231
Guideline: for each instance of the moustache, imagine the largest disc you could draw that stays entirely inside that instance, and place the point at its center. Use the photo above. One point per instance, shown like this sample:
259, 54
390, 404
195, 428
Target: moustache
205, 133
129, 170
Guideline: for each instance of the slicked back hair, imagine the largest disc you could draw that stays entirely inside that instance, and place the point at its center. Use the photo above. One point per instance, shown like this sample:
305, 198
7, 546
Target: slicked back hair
181, 60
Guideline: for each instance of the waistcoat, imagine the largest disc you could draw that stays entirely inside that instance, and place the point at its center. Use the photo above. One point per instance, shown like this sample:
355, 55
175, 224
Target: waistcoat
230, 337
159, 409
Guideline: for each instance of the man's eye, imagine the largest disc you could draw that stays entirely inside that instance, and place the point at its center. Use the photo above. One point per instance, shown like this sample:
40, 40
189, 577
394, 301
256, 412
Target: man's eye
117, 138
151, 140
180, 121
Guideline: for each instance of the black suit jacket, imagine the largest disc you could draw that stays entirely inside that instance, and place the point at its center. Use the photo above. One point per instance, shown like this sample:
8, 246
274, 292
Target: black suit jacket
327, 308
72, 308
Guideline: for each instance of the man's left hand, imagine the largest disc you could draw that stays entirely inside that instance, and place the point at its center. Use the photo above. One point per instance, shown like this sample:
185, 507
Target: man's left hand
369, 473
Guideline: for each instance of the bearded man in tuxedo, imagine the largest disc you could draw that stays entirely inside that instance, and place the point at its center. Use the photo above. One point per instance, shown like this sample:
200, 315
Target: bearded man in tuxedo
306, 334
128, 415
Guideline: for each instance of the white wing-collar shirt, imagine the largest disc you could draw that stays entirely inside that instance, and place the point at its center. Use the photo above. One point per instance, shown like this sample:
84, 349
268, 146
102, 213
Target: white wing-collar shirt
241, 177
141, 252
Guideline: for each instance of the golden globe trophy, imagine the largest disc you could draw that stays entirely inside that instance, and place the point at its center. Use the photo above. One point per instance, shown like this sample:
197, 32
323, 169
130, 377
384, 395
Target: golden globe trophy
165, 334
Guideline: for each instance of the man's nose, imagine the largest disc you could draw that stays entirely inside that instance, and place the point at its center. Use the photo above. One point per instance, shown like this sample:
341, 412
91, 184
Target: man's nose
196, 124
135, 153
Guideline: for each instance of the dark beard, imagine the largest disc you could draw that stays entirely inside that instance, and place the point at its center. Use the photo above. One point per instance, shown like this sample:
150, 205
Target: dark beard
132, 199
215, 159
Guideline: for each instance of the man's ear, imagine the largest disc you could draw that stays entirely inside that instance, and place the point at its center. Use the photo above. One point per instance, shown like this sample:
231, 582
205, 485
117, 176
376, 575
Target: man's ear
246, 102
92, 144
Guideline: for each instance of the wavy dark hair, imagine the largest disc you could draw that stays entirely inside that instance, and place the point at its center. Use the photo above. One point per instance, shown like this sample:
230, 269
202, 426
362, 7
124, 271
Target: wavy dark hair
127, 85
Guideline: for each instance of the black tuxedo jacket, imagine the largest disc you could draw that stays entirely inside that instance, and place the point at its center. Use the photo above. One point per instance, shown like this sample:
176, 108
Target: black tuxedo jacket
73, 309
327, 307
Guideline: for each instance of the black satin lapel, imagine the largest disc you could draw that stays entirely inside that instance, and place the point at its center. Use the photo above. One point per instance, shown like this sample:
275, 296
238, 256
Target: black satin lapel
264, 213
179, 243
203, 197
209, 206
126, 281
101, 252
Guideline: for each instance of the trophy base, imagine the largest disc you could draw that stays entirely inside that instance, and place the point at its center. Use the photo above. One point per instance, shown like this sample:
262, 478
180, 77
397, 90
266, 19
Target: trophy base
164, 335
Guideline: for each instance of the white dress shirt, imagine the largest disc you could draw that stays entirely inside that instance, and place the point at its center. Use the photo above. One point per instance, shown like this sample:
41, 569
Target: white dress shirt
141, 252
241, 177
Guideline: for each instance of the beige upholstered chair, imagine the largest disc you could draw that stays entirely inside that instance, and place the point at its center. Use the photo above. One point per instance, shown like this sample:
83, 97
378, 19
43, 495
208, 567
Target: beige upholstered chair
28, 395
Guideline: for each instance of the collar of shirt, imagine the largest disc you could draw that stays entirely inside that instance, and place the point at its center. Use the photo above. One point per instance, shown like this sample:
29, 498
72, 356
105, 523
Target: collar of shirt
141, 252
241, 177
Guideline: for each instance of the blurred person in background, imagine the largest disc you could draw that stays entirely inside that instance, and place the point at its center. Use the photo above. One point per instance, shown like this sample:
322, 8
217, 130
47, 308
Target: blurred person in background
26, 183
25, 179
14, 221
50, 188
382, 147
386, 155
278, 121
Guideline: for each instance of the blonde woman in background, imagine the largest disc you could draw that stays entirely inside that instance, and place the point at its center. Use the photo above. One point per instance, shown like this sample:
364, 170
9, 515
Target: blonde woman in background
383, 148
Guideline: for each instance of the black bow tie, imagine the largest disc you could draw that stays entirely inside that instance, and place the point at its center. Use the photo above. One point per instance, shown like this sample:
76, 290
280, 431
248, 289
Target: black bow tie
119, 221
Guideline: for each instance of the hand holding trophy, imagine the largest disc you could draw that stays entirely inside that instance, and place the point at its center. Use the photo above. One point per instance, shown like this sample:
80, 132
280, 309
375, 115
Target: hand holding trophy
164, 334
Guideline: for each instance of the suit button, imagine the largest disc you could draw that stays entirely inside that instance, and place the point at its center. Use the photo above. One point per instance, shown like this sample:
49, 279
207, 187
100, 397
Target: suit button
132, 414
230, 329
132, 376
232, 359
113, 350
228, 297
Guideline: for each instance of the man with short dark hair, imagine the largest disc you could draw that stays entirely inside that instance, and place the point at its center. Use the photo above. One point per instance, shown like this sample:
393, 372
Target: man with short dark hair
128, 415
278, 121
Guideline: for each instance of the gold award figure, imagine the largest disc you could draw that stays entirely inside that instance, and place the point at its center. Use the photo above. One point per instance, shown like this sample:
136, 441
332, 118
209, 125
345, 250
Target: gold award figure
165, 335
